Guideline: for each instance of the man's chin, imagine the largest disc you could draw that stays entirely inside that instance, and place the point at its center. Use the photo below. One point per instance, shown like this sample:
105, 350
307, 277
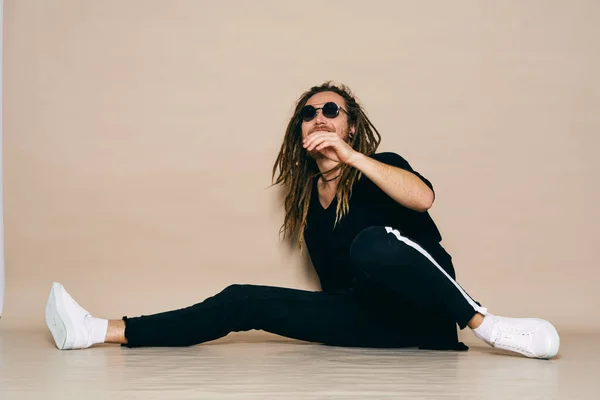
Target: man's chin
315, 155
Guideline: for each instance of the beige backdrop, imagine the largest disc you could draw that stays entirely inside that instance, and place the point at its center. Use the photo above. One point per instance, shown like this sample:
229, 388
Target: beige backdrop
140, 137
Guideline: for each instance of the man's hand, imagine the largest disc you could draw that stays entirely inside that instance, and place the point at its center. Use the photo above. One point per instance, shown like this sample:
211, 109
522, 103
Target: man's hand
331, 146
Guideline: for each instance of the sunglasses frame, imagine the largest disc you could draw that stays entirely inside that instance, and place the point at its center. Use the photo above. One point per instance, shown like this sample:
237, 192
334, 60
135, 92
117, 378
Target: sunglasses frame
316, 109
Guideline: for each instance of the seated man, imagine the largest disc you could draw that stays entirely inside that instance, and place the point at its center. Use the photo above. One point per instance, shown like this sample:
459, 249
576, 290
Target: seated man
386, 280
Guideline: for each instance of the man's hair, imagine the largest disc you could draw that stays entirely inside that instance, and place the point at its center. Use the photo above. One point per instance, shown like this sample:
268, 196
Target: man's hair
297, 169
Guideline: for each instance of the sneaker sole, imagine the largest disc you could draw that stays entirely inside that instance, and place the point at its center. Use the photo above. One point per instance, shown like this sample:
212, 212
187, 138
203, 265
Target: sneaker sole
554, 340
57, 319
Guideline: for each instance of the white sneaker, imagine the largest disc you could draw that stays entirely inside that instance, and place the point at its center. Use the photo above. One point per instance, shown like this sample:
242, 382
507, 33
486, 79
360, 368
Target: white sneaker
68, 322
532, 337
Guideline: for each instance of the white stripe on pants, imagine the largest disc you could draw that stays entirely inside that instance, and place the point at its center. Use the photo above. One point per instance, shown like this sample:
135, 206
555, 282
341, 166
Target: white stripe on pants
479, 309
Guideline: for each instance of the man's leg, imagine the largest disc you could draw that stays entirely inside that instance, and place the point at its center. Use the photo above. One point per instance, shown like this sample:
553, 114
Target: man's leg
387, 262
329, 318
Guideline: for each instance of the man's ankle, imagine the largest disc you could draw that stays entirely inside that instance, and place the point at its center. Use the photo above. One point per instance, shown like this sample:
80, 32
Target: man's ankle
116, 332
476, 321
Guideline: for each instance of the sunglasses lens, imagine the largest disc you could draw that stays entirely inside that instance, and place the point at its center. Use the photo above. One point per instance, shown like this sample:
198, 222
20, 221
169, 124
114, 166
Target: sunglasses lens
308, 113
331, 110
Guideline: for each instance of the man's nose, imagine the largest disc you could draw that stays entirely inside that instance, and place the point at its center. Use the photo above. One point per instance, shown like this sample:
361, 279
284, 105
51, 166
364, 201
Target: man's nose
320, 118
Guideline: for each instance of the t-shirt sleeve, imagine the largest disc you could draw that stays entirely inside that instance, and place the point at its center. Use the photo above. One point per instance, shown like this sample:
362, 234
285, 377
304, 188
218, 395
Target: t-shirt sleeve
397, 160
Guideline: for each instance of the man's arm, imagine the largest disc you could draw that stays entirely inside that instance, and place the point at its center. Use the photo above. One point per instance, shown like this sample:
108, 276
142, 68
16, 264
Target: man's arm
403, 186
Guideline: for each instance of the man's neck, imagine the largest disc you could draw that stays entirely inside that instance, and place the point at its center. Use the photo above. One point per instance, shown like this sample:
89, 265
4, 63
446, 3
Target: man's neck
330, 180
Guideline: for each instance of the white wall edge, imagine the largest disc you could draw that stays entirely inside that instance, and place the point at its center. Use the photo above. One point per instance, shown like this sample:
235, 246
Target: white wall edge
2, 282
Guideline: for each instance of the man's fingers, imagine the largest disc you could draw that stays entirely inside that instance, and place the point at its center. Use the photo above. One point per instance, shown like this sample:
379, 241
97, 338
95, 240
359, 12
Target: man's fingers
324, 144
316, 138
315, 143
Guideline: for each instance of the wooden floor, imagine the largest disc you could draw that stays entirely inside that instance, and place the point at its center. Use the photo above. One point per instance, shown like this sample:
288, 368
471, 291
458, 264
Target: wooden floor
246, 366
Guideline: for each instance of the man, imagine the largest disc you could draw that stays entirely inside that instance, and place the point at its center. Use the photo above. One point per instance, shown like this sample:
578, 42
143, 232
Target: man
386, 280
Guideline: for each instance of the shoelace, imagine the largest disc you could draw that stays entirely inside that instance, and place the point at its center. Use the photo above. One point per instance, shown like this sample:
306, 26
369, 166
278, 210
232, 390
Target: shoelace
508, 338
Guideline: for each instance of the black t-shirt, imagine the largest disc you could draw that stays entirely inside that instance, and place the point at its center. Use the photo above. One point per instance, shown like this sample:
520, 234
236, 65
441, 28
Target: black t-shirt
329, 249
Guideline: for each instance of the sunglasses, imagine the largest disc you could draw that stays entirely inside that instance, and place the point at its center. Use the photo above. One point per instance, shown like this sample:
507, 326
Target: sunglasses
329, 110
